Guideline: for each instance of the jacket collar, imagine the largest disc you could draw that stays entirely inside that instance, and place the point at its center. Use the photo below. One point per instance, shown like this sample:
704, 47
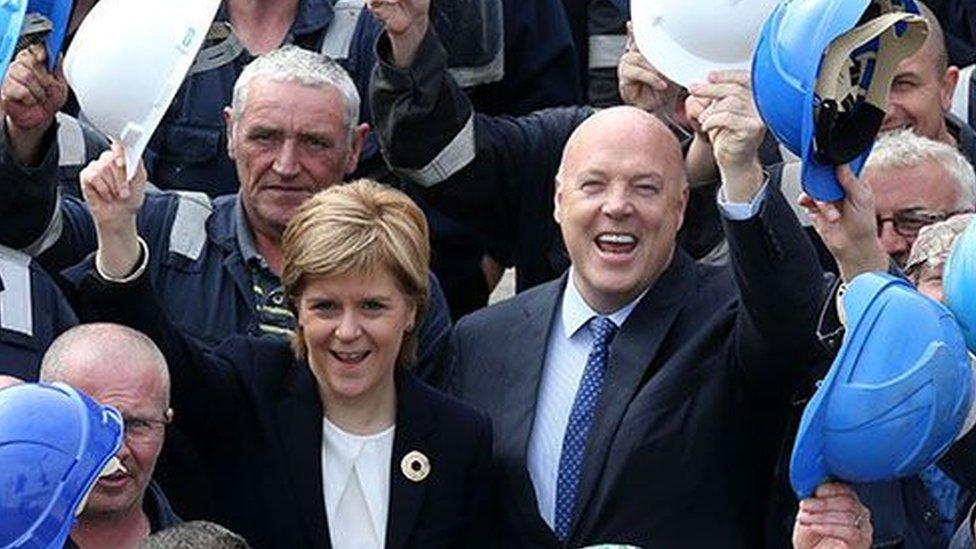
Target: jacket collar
300, 423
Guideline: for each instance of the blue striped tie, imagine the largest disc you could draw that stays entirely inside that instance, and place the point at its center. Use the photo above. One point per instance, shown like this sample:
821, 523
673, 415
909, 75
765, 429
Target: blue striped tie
580, 418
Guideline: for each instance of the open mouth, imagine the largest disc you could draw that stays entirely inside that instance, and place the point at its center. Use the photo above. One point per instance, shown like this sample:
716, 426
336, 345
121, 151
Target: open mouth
616, 243
350, 357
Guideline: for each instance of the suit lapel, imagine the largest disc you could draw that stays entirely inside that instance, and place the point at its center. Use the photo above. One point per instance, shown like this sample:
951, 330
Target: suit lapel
414, 422
299, 415
632, 355
523, 371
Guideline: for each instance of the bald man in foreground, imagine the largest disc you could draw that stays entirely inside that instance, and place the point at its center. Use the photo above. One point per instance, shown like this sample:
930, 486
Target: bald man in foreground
640, 397
120, 367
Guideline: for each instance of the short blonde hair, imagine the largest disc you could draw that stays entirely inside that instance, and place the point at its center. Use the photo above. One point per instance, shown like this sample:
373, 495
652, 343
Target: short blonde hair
358, 227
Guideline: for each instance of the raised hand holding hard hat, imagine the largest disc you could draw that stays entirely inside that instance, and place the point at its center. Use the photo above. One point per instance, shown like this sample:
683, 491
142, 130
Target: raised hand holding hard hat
959, 283
821, 75
895, 398
55, 443
128, 60
687, 40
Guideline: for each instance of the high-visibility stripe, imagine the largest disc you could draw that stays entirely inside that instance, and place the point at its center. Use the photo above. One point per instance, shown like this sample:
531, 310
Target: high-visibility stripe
188, 234
16, 310
338, 37
606, 49
71, 141
452, 159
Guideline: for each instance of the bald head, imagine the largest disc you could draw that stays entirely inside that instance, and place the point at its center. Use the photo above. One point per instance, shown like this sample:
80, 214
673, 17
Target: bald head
109, 351
609, 128
934, 47
620, 199
7, 381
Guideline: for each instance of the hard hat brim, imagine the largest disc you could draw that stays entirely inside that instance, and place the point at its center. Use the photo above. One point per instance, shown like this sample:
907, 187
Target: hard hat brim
672, 59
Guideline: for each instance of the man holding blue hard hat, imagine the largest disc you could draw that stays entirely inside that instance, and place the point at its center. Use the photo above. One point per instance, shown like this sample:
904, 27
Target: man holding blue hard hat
55, 444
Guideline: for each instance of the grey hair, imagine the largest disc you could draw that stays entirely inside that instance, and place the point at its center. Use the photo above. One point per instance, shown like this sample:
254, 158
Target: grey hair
198, 534
905, 149
100, 339
293, 64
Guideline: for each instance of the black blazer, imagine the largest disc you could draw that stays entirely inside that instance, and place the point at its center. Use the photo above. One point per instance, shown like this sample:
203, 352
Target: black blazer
253, 413
693, 404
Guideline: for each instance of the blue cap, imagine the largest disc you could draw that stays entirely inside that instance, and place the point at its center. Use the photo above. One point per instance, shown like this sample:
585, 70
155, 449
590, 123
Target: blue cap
59, 13
959, 283
11, 21
823, 124
54, 443
895, 397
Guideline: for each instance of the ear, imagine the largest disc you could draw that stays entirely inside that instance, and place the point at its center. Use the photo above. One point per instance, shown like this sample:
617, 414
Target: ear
949, 82
682, 205
356, 146
229, 124
557, 198
412, 317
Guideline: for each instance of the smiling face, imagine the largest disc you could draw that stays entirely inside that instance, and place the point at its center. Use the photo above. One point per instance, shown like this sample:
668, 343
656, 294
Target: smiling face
353, 326
289, 142
620, 200
921, 93
925, 187
135, 388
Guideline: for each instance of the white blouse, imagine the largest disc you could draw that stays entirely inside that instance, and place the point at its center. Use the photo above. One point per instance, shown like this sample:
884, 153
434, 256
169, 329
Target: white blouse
356, 485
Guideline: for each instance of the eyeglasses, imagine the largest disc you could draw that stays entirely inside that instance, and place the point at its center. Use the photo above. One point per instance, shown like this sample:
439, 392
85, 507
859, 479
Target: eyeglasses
141, 429
908, 223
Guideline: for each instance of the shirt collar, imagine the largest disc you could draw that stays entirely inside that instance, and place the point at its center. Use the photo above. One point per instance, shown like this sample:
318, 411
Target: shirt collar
245, 240
576, 312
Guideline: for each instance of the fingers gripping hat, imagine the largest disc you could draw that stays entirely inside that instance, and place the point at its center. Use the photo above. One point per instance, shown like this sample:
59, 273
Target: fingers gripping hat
821, 76
895, 397
959, 283
54, 443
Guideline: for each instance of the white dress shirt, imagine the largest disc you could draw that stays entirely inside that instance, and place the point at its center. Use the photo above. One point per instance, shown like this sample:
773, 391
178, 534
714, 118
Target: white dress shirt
566, 354
356, 484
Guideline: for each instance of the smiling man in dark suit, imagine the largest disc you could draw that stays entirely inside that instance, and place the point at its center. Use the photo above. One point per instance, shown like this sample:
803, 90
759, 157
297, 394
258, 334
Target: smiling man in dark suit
640, 398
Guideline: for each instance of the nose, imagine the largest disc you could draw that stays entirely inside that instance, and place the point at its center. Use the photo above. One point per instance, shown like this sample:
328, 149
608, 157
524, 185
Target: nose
617, 203
286, 159
349, 328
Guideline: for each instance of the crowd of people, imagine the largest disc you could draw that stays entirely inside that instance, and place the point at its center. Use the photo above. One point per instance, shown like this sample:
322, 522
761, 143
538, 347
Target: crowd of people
285, 303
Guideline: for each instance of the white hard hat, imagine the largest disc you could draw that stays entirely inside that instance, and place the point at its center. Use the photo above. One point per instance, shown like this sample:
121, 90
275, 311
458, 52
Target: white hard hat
127, 62
686, 39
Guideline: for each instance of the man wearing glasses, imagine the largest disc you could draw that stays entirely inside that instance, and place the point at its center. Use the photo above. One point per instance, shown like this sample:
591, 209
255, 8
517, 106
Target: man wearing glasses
916, 182
123, 368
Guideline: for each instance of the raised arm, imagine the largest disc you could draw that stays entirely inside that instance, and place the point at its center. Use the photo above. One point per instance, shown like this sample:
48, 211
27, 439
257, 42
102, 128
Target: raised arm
780, 281
35, 220
206, 388
486, 172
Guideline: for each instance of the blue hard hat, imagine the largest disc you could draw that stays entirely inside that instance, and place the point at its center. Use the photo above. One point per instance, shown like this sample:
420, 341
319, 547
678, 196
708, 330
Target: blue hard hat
821, 89
959, 283
11, 20
58, 12
54, 443
895, 397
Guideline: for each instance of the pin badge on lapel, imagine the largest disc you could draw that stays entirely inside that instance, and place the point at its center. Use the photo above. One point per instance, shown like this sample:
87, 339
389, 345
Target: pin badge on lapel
415, 466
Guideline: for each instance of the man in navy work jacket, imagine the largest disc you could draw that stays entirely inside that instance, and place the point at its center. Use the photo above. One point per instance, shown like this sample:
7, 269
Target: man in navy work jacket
217, 269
